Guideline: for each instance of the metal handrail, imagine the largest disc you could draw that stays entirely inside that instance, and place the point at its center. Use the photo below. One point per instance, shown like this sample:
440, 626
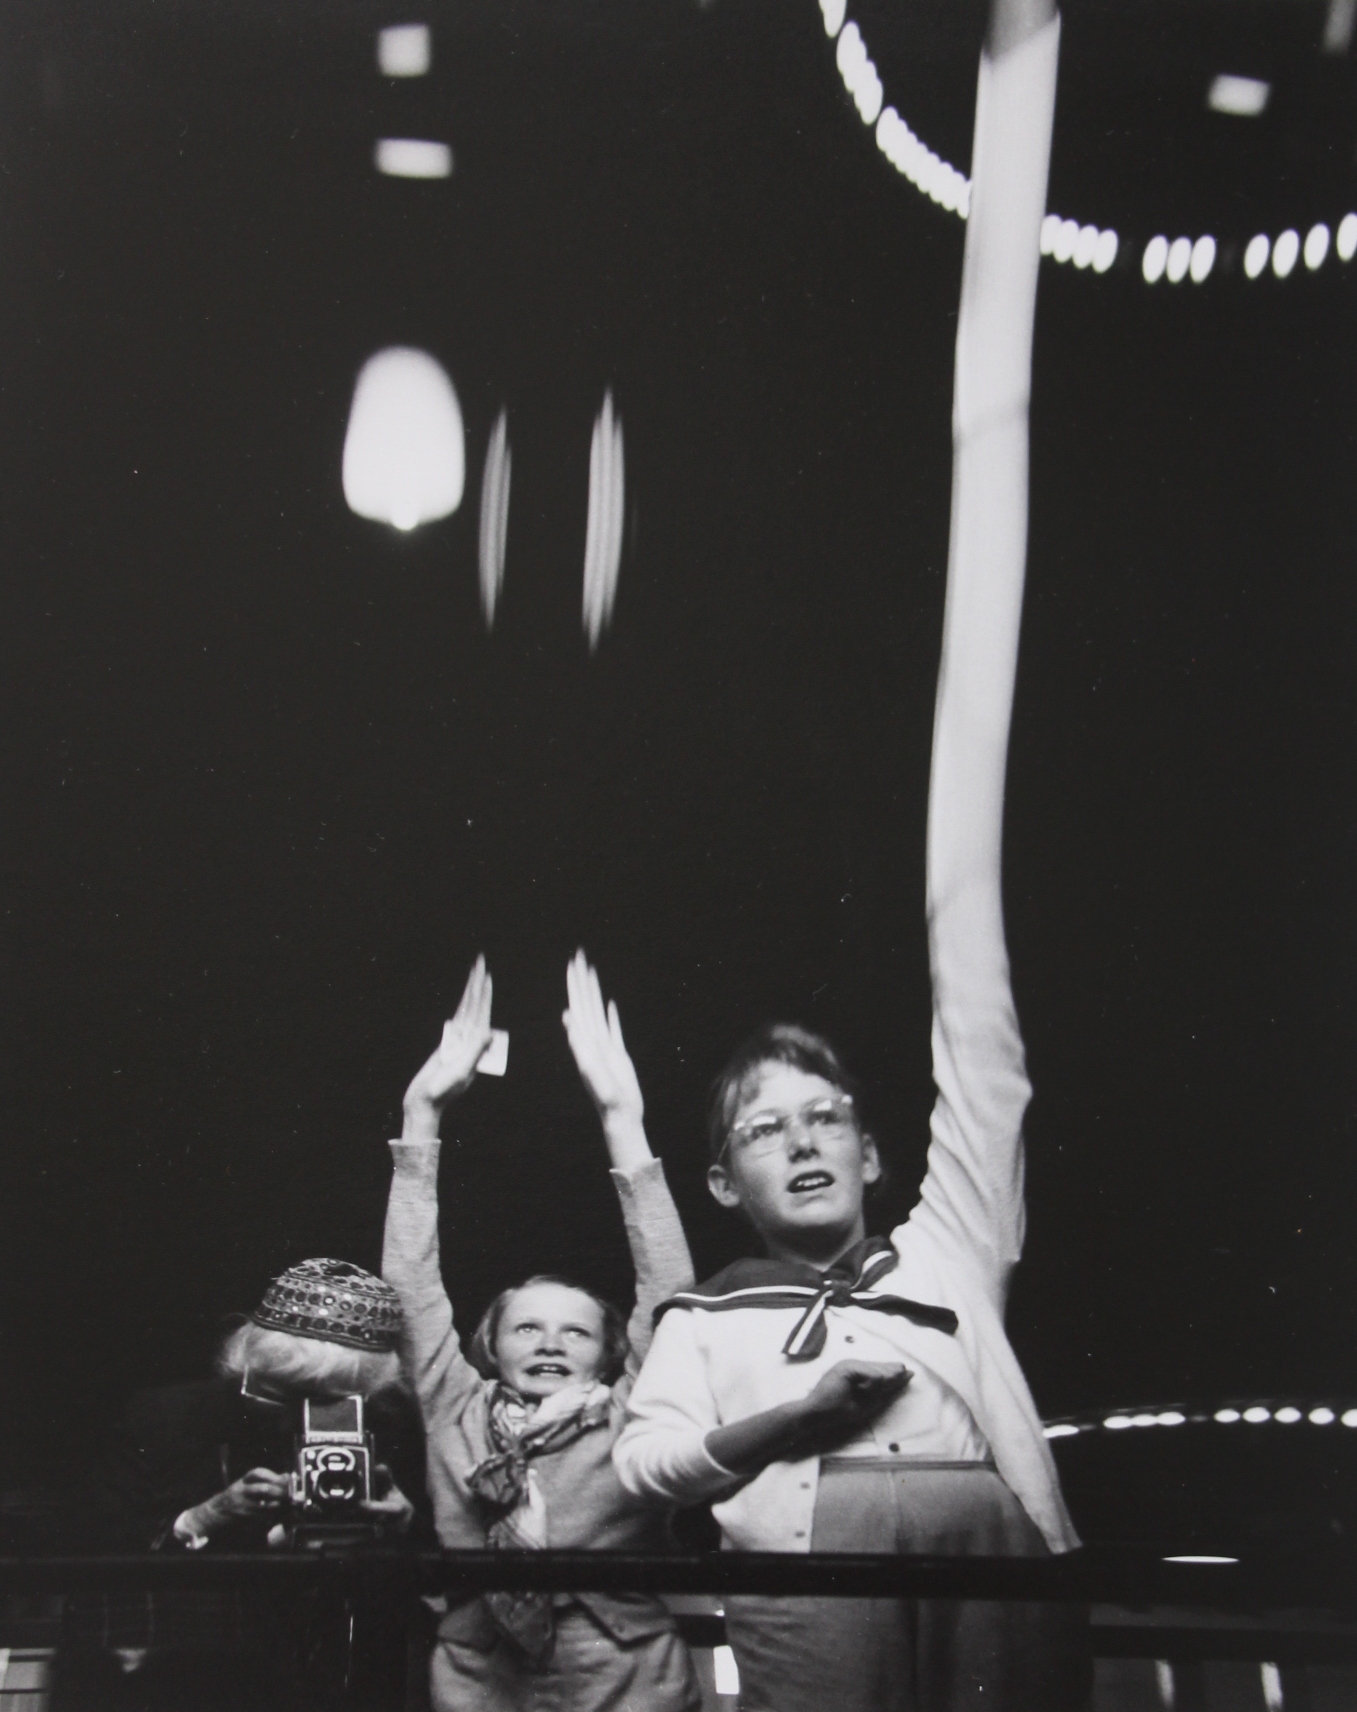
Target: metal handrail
1122, 1575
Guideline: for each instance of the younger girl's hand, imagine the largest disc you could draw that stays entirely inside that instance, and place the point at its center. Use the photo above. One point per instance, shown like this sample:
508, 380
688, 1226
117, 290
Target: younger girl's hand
451, 1068
595, 1036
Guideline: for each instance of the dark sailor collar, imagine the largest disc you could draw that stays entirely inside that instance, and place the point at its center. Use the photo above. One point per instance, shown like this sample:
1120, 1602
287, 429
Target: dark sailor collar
849, 1282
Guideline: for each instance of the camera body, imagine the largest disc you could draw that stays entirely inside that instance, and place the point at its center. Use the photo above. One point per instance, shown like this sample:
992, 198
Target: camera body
332, 1476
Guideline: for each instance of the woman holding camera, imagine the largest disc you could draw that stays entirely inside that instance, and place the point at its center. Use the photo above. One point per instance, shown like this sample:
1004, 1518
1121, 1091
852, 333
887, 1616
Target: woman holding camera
520, 1435
207, 1465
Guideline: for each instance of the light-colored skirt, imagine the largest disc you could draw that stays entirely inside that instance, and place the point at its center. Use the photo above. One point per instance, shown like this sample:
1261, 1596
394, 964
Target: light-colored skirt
913, 1655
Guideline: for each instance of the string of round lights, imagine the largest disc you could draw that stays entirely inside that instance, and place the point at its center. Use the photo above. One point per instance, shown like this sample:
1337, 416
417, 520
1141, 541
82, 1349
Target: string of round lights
1086, 247
1228, 1414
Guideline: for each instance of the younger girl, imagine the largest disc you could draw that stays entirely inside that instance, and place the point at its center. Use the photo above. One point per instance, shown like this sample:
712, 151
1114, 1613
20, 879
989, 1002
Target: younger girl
520, 1436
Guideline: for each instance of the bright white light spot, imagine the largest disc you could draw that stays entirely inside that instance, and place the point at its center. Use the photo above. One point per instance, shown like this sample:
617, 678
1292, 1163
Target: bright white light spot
1271, 1678
1065, 240
404, 452
1316, 246
1085, 246
1257, 1414
1049, 227
1061, 1430
1347, 238
1200, 1557
1322, 1417
408, 157
1153, 261
603, 539
1284, 253
1203, 259
1144, 1420
495, 516
1117, 1422
1171, 1418
1105, 251
1179, 260
727, 1671
1245, 97
833, 11
404, 50
1255, 257
1350, 1417
1287, 1416
1226, 1416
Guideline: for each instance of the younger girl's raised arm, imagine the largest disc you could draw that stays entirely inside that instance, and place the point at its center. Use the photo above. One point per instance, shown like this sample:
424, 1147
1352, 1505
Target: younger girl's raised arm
659, 1250
432, 1354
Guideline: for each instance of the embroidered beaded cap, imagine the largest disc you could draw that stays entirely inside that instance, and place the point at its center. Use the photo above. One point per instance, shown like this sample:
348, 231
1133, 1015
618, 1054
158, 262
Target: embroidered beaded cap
333, 1301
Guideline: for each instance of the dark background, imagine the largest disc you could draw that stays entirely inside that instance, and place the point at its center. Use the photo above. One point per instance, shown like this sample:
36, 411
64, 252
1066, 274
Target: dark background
269, 785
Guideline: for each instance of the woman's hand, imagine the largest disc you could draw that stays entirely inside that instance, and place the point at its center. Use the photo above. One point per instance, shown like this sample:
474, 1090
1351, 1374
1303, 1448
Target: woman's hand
393, 1512
450, 1070
595, 1035
255, 1496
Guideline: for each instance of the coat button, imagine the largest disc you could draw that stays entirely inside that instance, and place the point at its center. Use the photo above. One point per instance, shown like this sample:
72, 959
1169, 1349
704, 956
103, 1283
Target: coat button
850, 1338
800, 1533
894, 1447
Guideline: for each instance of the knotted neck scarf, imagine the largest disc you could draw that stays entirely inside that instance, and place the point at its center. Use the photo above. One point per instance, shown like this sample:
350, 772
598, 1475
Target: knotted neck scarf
798, 1284
506, 1483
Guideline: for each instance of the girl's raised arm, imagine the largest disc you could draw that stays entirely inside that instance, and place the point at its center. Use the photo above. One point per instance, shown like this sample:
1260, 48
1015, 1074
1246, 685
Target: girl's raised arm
659, 1250
973, 1192
432, 1354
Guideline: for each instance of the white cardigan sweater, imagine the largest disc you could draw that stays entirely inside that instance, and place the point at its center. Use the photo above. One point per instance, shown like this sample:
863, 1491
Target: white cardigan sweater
959, 1245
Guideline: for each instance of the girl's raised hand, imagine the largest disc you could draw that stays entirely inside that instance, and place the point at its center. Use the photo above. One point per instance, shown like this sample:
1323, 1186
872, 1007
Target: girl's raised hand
452, 1066
595, 1036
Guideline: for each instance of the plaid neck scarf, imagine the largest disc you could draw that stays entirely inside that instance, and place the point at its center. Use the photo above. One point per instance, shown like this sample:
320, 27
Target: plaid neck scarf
506, 1483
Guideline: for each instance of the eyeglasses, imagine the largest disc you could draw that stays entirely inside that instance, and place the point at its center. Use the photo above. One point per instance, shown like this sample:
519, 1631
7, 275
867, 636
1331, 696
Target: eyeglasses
763, 1133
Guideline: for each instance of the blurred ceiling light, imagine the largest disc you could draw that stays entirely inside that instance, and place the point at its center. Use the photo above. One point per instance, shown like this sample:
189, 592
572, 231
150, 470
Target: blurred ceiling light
1255, 257
404, 452
495, 516
411, 157
603, 537
1316, 246
1350, 1417
1144, 1420
1287, 1416
1346, 242
1199, 1557
1172, 1418
1105, 252
858, 73
1179, 260
1339, 20
1203, 259
1118, 1422
1257, 1415
1153, 262
1085, 246
833, 11
1061, 1430
1226, 1416
1244, 97
404, 50
1322, 1417
1284, 253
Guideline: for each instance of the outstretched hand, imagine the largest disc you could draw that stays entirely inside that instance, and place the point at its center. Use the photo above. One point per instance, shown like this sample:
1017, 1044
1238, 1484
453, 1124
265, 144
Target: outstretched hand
595, 1036
452, 1066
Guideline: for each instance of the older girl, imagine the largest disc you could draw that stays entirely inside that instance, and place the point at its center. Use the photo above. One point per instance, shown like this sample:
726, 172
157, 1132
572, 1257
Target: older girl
520, 1435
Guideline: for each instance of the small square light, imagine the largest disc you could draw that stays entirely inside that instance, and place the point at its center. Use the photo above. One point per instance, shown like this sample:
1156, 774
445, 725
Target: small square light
1245, 97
